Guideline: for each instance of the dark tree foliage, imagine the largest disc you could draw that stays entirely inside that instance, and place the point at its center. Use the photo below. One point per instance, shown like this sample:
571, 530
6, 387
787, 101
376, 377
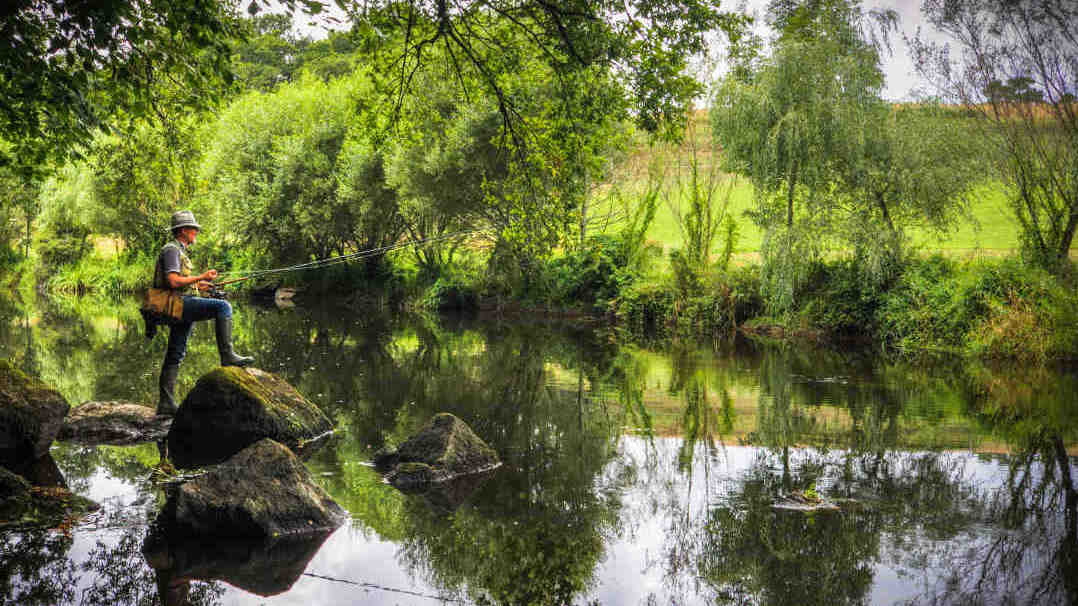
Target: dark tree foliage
270, 55
646, 42
66, 66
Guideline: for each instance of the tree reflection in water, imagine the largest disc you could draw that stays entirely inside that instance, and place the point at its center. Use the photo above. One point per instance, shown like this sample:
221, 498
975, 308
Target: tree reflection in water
35, 569
1003, 542
535, 533
1024, 547
121, 576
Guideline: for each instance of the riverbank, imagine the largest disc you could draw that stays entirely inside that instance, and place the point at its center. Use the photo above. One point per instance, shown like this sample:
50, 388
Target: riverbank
986, 307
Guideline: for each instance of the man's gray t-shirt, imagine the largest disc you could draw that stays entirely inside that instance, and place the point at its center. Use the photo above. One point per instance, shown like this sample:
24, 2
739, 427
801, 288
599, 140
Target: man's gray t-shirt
170, 260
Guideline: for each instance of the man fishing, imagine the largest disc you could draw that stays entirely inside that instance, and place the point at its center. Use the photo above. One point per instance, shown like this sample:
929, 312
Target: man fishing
173, 271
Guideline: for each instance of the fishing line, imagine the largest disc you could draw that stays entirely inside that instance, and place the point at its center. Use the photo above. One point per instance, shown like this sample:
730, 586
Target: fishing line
330, 261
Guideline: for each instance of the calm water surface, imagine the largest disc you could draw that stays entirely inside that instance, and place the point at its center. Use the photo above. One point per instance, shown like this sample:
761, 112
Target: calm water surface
634, 473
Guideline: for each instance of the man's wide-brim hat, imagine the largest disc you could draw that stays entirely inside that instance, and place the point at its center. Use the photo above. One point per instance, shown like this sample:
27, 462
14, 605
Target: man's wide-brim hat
184, 218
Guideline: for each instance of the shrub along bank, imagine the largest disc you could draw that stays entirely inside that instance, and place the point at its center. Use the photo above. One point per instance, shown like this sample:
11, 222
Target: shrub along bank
992, 307
986, 307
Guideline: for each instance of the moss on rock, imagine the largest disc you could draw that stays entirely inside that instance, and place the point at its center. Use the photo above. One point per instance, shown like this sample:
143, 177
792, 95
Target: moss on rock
231, 408
31, 414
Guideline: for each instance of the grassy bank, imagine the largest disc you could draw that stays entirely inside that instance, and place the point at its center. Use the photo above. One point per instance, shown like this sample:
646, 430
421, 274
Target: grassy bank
988, 305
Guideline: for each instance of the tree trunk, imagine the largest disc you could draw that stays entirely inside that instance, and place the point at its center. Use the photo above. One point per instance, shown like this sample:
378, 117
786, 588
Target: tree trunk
583, 222
790, 196
886, 215
1068, 237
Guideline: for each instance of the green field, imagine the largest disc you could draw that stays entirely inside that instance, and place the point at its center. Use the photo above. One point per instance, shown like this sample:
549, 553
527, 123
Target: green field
990, 229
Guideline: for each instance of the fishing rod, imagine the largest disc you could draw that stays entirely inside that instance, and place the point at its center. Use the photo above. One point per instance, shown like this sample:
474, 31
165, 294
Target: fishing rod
330, 261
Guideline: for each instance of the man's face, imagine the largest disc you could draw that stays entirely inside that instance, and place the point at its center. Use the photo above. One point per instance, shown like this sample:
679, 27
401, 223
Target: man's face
189, 234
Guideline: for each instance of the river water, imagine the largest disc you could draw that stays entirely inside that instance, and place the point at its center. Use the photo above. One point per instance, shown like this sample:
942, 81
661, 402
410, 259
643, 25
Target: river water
635, 472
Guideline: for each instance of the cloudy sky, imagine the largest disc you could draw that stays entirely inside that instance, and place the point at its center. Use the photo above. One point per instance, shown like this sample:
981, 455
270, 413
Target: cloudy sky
899, 67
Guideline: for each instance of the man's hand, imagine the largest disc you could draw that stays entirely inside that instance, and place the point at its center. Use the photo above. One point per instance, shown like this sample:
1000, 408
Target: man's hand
176, 281
204, 285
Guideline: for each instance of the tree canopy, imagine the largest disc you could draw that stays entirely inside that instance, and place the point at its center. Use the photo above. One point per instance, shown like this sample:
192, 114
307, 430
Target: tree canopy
66, 67
831, 162
647, 43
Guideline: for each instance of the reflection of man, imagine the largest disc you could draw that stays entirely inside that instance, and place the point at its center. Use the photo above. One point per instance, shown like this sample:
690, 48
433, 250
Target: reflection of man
173, 271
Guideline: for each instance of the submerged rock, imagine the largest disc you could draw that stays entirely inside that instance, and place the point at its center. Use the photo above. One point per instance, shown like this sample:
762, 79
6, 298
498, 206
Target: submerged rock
264, 491
445, 448
31, 414
118, 423
12, 485
264, 567
41, 471
231, 408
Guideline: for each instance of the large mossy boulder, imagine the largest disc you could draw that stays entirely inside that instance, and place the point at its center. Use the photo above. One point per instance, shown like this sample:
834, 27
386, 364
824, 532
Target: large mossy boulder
445, 448
118, 423
231, 408
264, 491
31, 414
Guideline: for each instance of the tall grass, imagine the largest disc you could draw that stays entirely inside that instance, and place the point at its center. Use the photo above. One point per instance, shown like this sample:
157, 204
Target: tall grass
93, 273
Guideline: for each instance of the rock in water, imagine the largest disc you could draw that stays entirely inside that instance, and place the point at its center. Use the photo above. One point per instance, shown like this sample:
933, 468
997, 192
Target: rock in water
265, 567
31, 414
231, 408
12, 486
443, 449
24, 506
264, 491
118, 423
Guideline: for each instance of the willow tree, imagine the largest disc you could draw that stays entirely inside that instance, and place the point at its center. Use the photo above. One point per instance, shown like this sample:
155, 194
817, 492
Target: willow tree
788, 121
832, 163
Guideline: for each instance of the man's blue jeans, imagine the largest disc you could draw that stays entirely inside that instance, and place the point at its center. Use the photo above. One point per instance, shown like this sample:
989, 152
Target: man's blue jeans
194, 309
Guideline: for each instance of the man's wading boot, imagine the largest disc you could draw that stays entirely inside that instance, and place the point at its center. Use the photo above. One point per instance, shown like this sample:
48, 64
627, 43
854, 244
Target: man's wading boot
166, 402
224, 345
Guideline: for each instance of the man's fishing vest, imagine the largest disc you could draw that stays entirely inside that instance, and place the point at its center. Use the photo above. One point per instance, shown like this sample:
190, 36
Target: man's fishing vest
160, 280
